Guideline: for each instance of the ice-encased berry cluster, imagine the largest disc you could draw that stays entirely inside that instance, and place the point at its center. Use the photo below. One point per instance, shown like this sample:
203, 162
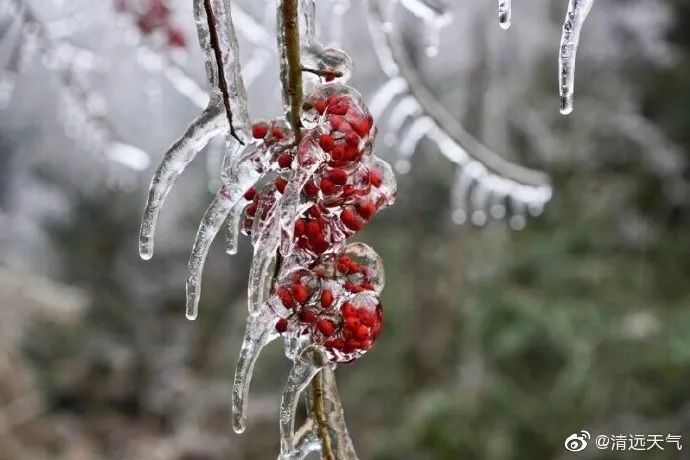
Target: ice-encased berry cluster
328, 187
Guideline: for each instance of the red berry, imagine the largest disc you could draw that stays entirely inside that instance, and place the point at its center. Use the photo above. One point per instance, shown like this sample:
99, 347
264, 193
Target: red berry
326, 298
351, 221
326, 327
282, 325
249, 194
310, 188
307, 316
327, 187
362, 332
334, 343
285, 297
277, 132
259, 130
300, 293
375, 178
320, 105
251, 209
352, 138
338, 109
313, 229
176, 38
280, 185
351, 323
338, 176
320, 245
366, 209
285, 160
299, 227
348, 310
363, 126
326, 142
338, 153
351, 345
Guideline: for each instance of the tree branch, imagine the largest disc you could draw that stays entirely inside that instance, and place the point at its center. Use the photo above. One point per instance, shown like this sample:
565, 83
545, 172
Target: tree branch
320, 415
222, 83
294, 65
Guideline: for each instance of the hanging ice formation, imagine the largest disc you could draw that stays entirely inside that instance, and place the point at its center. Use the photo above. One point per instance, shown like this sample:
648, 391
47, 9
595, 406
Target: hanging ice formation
486, 184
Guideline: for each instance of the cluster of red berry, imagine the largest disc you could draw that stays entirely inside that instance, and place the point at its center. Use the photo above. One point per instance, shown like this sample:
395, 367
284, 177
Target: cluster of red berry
153, 16
326, 290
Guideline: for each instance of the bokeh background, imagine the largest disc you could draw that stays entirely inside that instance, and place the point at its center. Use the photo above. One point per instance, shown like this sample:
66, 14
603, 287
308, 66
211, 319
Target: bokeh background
497, 343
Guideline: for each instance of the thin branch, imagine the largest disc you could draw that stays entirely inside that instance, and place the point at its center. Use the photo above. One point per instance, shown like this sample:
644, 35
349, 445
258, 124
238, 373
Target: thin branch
292, 48
319, 414
222, 83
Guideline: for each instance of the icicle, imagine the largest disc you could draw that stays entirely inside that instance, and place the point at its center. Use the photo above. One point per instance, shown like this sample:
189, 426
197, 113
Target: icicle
233, 228
478, 200
408, 144
385, 95
504, 14
574, 19
227, 197
257, 335
209, 124
464, 179
213, 219
264, 255
307, 365
432, 38
517, 210
406, 108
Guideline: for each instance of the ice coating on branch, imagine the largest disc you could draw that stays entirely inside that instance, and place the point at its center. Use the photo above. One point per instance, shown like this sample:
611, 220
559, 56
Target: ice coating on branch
574, 19
504, 13
306, 366
209, 124
231, 61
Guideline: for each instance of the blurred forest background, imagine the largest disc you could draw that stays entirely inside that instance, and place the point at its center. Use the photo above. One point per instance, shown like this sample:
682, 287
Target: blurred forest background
497, 344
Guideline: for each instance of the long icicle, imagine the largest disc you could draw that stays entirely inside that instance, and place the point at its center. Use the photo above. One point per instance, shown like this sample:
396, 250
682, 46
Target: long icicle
227, 197
257, 335
574, 19
208, 125
306, 366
